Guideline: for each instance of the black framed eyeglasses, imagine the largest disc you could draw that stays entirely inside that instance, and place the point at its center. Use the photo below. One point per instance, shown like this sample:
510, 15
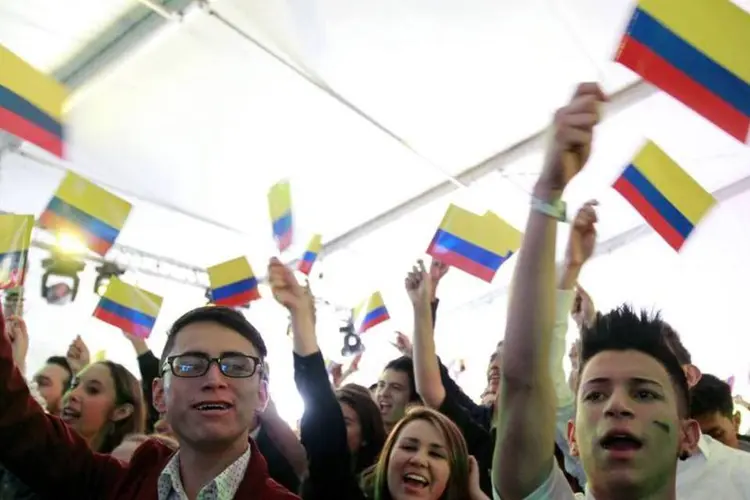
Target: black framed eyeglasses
196, 364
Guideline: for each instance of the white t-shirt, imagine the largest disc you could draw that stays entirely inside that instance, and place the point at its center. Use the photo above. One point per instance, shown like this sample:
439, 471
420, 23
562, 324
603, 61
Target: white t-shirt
556, 487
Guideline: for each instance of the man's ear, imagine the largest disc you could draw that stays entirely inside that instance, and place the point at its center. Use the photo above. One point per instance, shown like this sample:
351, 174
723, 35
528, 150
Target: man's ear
689, 436
693, 375
572, 443
262, 395
157, 391
737, 421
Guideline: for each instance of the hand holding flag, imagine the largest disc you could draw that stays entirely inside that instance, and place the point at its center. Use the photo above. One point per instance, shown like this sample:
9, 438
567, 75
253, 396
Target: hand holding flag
573, 132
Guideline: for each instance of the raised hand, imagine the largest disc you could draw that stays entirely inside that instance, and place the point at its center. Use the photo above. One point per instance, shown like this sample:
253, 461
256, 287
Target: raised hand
403, 344
419, 285
286, 289
582, 239
572, 130
78, 354
19, 338
354, 366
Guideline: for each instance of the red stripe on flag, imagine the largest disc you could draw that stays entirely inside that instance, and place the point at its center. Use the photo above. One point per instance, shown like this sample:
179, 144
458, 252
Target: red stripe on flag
652, 67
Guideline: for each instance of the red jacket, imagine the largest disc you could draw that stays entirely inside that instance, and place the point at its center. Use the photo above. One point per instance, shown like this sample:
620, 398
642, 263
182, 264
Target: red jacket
51, 458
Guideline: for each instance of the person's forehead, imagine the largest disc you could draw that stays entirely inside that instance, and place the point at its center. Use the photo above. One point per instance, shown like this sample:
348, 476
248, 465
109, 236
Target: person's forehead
394, 376
421, 430
622, 366
53, 370
213, 339
97, 372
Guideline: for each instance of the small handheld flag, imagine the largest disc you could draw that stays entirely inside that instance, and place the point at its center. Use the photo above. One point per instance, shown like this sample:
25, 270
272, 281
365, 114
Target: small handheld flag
15, 240
280, 209
370, 313
87, 211
311, 254
476, 244
671, 201
233, 283
100, 356
129, 308
31, 103
696, 51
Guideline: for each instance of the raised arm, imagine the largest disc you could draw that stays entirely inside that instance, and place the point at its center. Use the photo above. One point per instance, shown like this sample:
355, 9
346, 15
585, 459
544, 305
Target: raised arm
323, 429
40, 449
526, 421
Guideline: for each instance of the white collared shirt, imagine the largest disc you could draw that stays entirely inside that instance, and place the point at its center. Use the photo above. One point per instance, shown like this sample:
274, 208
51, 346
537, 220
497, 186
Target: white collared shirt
715, 471
223, 487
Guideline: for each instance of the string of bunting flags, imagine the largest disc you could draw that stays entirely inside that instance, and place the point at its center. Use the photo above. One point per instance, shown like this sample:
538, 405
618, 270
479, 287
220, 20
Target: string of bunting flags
687, 49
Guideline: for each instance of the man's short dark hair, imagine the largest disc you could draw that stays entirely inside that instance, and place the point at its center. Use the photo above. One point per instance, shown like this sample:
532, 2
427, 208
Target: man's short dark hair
711, 395
224, 316
623, 329
62, 362
672, 339
406, 365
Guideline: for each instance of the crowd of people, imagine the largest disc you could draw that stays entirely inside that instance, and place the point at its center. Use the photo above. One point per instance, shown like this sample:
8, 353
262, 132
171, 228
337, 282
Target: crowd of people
634, 420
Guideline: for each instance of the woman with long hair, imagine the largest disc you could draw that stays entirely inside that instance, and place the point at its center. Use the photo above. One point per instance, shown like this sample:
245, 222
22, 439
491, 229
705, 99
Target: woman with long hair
425, 456
105, 404
365, 433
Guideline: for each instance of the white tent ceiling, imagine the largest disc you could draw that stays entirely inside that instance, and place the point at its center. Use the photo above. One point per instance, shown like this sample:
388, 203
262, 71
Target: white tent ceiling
201, 121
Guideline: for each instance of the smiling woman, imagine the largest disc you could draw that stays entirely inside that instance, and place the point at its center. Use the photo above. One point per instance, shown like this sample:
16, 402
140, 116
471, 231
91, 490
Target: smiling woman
424, 455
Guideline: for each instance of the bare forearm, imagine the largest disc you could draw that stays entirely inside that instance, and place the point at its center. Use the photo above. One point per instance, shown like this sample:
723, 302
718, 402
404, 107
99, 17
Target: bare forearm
426, 369
531, 308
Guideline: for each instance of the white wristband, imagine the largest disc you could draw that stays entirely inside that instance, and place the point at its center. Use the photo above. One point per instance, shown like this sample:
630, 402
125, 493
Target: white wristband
556, 209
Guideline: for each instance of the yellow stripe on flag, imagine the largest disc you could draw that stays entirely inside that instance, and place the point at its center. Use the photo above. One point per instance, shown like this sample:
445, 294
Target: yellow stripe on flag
230, 272
26, 81
488, 231
15, 232
279, 199
718, 28
133, 297
316, 243
673, 182
94, 200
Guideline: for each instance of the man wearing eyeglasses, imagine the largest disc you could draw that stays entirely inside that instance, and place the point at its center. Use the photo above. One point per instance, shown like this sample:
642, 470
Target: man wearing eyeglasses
209, 390
211, 387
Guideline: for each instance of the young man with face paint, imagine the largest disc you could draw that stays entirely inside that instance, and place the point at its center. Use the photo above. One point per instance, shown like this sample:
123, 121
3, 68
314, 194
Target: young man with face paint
630, 426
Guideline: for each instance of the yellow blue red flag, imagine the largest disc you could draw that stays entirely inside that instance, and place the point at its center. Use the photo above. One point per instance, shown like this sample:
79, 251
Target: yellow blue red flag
129, 308
476, 244
233, 283
671, 201
86, 211
31, 103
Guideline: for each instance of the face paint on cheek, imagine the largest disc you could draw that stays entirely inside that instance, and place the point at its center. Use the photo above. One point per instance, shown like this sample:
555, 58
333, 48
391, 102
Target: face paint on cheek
663, 426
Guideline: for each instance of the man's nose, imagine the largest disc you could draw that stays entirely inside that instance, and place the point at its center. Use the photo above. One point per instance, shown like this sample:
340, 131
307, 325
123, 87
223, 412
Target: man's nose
619, 405
214, 378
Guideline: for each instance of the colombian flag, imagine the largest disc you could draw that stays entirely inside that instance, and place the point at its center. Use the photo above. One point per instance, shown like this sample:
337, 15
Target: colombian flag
87, 211
31, 103
370, 313
280, 209
15, 240
696, 51
308, 259
233, 283
476, 244
664, 194
128, 308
